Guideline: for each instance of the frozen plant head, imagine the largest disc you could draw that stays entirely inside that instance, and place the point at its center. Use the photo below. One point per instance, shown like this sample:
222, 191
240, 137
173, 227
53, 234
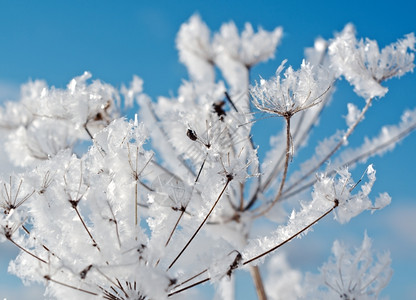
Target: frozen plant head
341, 189
251, 47
296, 91
195, 51
352, 275
365, 66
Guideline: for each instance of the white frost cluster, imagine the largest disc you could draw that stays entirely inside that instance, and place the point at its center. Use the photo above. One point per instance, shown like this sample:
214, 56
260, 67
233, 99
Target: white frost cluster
233, 53
250, 48
342, 190
296, 91
53, 119
195, 49
365, 66
351, 275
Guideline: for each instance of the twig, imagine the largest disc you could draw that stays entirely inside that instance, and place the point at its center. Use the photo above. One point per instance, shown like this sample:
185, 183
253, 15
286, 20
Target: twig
340, 143
203, 222
293, 236
48, 278
27, 251
258, 282
286, 166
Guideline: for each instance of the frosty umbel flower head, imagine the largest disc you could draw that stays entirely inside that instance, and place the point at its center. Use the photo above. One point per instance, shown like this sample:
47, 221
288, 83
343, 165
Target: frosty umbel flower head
296, 91
251, 47
365, 66
351, 275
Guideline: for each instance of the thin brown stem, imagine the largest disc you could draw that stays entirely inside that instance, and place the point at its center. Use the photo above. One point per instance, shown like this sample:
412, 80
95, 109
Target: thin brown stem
189, 279
336, 148
258, 282
176, 225
27, 251
48, 278
202, 224
86, 229
43, 246
336, 203
354, 160
286, 167
297, 142
183, 209
136, 201
241, 207
293, 236
189, 286
114, 220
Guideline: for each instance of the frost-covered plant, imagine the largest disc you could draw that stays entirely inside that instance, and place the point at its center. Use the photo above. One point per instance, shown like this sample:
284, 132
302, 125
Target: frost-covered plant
349, 275
151, 207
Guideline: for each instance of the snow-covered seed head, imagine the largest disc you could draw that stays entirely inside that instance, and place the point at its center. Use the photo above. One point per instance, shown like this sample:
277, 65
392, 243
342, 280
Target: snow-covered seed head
297, 91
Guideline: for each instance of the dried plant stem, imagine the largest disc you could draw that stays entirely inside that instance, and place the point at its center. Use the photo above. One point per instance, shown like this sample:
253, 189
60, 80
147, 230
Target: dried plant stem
337, 146
296, 140
293, 236
183, 209
174, 228
258, 282
86, 229
136, 201
27, 251
336, 203
114, 220
43, 246
136, 204
48, 278
88, 132
191, 278
189, 286
202, 224
352, 161
286, 167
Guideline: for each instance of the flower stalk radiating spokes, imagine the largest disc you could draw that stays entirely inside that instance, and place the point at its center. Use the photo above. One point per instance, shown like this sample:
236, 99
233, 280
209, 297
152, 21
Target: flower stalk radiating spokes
297, 91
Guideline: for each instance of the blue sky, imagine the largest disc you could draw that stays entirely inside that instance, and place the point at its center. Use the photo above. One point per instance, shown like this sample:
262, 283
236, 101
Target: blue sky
57, 40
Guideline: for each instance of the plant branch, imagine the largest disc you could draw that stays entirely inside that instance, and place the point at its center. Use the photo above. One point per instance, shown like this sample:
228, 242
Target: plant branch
27, 251
202, 224
258, 282
293, 236
86, 229
337, 146
286, 167
48, 278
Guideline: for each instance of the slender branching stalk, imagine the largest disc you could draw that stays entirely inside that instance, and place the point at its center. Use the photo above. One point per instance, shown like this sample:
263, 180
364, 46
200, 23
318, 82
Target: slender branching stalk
362, 156
25, 250
50, 279
248, 261
336, 148
258, 282
229, 178
286, 167
336, 203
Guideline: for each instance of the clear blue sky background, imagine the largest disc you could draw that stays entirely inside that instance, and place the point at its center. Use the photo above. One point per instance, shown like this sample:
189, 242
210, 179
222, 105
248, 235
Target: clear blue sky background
57, 40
